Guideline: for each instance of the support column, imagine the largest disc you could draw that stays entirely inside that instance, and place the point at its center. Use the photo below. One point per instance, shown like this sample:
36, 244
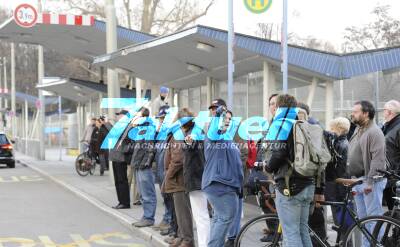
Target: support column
26, 125
13, 106
138, 87
79, 121
311, 94
209, 91
269, 87
1, 85
5, 80
377, 97
171, 96
113, 87
329, 102
341, 98
42, 109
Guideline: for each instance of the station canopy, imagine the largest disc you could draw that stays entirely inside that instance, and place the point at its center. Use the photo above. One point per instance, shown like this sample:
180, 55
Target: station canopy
185, 59
82, 91
83, 42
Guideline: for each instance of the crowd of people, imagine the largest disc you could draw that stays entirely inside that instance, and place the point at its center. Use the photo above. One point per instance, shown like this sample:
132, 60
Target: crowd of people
201, 181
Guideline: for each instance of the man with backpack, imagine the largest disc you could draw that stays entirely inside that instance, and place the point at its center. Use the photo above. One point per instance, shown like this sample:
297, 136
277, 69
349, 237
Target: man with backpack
296, 169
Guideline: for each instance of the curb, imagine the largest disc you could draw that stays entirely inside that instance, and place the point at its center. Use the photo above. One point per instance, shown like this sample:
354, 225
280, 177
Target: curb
153, 239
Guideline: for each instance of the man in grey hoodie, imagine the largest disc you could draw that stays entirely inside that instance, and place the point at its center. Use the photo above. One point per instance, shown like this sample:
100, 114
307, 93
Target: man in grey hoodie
366, 155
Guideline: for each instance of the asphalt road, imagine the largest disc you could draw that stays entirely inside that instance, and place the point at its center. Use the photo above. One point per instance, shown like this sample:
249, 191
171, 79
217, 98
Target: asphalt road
35, 211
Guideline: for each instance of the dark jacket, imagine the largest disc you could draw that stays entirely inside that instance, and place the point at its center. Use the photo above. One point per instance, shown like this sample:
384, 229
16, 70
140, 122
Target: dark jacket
391, 130
339, 147
94, 140
173, 162
143, 150
193, 165
103, 132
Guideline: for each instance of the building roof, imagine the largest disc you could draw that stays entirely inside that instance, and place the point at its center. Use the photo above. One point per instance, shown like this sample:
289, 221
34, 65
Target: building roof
184, 59
82, 91
83, 42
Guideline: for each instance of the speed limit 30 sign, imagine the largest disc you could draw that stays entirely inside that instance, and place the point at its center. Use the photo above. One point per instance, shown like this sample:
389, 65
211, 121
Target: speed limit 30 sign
25, 15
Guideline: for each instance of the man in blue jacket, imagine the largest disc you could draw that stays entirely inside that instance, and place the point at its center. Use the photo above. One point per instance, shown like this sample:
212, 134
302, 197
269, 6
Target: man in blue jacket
223, 173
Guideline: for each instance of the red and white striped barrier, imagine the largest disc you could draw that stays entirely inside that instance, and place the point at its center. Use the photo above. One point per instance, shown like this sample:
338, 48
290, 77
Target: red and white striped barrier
58, 19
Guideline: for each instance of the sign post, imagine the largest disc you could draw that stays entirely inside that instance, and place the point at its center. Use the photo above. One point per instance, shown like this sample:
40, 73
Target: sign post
25, 15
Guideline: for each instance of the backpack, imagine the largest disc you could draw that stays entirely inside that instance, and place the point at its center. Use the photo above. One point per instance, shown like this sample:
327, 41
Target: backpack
311, 153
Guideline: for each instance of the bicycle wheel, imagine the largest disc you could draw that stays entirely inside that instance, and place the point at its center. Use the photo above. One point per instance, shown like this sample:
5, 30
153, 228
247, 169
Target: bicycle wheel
378, 231
83, 164
260, 231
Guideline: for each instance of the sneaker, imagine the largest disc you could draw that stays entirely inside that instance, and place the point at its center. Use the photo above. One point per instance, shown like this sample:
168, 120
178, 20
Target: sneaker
176, 242
267, 238
137, 203
166, 232
143, 223
161, 226
169, 240
186, 243
229, 243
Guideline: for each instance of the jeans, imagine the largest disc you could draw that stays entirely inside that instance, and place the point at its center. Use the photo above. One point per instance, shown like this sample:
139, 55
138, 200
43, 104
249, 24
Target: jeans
234, 228
198, 201
224, 211
369, 204
148, 193
293, 214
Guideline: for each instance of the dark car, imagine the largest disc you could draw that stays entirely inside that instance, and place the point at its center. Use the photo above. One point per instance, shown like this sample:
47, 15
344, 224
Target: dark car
6, 151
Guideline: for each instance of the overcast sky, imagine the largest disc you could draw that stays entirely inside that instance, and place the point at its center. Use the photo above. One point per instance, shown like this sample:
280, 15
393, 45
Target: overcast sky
323, 19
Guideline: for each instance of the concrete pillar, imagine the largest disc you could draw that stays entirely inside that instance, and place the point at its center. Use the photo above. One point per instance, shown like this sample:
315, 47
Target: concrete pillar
13, 102
171, 96
79, 123
311, 94
209, 91
269, 87
5, 80
1, 86
26, 124
329, 110
138, 86
113, 88
41, 120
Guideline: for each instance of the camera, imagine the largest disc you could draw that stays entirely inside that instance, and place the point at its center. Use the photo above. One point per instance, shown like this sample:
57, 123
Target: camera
259, 165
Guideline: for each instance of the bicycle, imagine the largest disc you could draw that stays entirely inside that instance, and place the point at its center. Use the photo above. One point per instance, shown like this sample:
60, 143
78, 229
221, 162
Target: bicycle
393, 240
85, 163
250, 232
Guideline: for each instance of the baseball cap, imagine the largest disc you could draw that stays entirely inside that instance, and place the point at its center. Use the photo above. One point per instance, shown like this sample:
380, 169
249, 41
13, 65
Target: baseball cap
163, 111
164, 90
123, 112
217, 103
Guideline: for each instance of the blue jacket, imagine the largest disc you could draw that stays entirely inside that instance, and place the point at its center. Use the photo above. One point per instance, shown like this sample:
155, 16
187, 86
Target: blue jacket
222, 162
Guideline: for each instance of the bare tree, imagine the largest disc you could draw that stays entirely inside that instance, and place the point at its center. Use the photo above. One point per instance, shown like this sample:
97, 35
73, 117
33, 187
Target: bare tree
383, 31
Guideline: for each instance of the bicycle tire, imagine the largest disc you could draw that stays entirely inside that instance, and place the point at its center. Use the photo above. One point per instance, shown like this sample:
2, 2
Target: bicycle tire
276, 239
348, 238
81, 165
394, 239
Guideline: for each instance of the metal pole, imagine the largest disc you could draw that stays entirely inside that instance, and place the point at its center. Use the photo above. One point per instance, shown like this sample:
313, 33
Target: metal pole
42, 109
61, 126
341, 97
13, 106
231, 67
285, 47
377, 97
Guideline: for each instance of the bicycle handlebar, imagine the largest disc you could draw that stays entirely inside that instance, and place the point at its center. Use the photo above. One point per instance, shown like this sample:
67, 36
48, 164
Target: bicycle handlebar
389, 174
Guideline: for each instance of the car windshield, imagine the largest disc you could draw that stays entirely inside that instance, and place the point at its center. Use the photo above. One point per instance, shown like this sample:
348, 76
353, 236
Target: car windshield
3, 140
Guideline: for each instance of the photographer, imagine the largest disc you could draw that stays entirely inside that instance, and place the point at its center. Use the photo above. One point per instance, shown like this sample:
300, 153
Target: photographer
223, 173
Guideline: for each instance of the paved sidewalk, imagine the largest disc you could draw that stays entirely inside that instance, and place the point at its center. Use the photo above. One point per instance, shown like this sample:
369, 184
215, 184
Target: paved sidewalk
100, 191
